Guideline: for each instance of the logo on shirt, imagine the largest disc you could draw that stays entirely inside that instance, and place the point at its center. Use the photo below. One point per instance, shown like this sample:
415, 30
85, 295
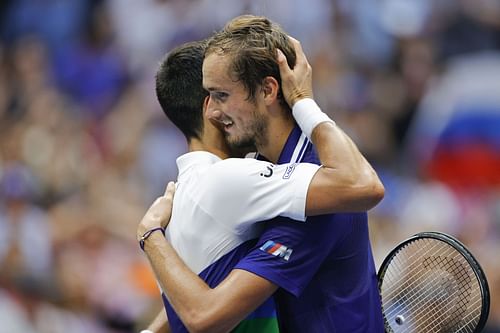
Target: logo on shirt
289, 170
277, 249
269, 171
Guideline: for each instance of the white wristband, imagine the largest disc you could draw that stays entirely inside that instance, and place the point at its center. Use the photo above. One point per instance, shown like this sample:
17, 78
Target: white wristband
308, 115
146, 331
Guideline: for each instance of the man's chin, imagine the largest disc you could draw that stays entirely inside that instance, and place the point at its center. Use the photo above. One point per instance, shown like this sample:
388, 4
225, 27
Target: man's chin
240, 148
242, 151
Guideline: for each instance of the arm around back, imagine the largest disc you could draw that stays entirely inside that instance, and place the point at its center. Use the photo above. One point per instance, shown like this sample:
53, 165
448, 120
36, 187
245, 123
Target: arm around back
203, 309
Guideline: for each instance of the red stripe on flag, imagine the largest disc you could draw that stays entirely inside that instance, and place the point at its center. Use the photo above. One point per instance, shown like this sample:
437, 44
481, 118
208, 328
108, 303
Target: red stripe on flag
274, 248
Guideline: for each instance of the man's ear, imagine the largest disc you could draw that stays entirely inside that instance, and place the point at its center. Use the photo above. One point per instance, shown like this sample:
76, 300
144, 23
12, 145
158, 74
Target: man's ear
270, 89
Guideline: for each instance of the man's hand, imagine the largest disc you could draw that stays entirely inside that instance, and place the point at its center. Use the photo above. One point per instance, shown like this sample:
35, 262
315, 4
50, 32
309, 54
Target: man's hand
296, 83
158, 215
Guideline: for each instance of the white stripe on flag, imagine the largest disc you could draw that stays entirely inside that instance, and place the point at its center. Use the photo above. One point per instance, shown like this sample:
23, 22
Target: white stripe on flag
281, 250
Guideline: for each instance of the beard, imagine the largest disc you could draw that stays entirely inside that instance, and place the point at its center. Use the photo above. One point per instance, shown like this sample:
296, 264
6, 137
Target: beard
241, 149
253, 136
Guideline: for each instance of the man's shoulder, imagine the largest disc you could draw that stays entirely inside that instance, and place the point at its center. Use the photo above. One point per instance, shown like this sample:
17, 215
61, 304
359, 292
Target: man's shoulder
237, 166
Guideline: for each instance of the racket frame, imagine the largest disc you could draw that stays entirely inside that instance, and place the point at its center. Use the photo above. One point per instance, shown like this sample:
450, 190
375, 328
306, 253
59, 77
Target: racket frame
462, 249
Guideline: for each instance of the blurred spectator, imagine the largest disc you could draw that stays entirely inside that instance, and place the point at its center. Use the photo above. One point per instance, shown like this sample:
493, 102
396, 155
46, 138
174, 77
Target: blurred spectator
55, 22
12, 315
25, 240
155, 26
90, 69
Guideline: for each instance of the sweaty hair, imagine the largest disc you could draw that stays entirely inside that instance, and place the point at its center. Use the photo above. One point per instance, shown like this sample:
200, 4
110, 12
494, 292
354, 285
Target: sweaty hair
179, 88
251, 42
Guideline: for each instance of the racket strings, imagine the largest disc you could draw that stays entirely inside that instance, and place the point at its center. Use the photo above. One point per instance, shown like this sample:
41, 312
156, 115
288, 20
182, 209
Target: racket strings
443, 314
432, 319
452, 288
440, 317
407, 294
461, 326
402, 278
446, 321
461, 278
473, 321
411, 296
391, 278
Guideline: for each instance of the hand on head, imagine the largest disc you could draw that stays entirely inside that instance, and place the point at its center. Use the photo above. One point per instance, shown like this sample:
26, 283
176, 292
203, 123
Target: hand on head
296, 83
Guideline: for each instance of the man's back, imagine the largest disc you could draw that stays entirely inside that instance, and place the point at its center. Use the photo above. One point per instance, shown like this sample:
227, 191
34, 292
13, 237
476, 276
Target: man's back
208, 246
196, 234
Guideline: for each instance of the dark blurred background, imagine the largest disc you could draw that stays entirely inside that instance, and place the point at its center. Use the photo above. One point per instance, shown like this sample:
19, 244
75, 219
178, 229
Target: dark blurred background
85, 148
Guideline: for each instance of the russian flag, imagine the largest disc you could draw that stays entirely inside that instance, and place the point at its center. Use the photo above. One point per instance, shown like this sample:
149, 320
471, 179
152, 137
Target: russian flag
277, 249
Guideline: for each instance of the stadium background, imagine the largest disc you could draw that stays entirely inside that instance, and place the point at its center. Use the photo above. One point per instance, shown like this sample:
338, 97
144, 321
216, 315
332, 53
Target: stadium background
84, 147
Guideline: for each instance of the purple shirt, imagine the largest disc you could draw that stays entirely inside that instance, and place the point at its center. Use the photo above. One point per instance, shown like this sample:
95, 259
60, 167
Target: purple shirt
324, 267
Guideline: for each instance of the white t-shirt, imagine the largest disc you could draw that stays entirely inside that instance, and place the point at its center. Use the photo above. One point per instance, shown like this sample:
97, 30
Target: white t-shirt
218, 202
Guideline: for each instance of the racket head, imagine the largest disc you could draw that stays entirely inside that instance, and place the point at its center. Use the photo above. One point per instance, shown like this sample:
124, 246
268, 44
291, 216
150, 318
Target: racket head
432, 283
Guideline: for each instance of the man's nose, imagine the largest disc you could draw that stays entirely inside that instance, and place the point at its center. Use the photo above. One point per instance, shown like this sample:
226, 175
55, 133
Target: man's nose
212, 111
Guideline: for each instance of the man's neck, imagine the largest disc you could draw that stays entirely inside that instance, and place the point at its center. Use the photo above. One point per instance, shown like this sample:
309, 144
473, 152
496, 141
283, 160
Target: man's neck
278, 133
220, 150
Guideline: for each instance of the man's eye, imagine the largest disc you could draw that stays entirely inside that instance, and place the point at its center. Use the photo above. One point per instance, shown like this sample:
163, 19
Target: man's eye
220, 96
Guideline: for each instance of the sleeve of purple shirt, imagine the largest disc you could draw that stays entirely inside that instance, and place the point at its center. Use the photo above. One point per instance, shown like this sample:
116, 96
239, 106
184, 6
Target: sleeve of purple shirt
289, 254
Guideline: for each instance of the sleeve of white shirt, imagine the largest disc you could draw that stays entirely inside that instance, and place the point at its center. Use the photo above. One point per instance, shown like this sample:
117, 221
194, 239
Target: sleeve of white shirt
243, 191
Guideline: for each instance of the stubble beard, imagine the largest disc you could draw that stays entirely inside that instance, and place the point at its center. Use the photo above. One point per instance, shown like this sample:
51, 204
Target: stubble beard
253, 137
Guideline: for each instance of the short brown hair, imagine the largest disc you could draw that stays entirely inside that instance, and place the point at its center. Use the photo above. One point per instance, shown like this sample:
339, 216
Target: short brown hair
252, 41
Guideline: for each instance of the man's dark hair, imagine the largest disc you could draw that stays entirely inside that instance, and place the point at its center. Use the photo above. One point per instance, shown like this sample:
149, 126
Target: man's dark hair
179, 88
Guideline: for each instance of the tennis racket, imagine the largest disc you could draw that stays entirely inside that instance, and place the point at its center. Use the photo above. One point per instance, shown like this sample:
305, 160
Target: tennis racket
430, 283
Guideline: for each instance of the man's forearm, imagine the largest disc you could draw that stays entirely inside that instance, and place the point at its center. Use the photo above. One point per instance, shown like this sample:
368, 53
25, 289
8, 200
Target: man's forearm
185, 291
201, 308
160, 323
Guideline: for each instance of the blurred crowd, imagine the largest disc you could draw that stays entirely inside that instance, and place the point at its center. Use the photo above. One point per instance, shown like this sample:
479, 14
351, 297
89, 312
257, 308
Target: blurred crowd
85, 148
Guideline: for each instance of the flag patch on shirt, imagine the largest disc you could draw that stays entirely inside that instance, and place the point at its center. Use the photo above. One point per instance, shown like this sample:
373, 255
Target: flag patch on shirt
277, 249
